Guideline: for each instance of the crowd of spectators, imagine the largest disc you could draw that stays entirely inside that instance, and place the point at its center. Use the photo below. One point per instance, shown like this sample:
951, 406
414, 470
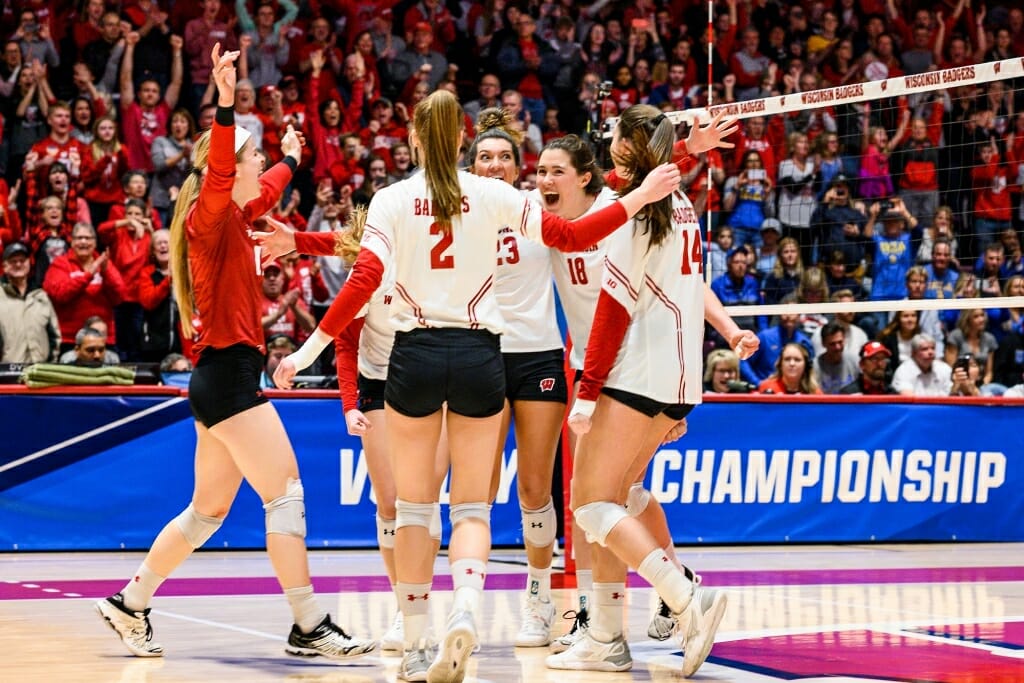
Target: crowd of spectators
911, 197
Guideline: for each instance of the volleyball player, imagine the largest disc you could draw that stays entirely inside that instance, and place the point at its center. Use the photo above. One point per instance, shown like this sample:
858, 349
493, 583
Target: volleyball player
641, 378
439, 227
362, 351
239, 434
570, 184
535, 387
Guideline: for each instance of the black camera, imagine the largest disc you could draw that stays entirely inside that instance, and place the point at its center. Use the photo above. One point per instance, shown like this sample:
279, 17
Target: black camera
605, 89
738, 386
884, 205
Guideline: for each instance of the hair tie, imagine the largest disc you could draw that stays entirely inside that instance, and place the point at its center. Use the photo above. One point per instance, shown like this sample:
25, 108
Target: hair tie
656, 121
197, 171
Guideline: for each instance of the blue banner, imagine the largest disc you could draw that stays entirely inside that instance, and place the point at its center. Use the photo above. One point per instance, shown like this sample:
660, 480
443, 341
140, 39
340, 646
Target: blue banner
770, 472
107, 472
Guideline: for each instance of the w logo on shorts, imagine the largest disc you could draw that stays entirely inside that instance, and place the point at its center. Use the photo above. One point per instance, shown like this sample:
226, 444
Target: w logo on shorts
547, 384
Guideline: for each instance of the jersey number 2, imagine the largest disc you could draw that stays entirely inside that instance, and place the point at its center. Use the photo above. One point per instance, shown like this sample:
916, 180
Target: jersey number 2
693, 260
439, 260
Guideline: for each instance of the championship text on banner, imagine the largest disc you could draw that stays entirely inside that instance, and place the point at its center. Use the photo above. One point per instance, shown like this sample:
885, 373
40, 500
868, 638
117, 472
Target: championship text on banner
107, 472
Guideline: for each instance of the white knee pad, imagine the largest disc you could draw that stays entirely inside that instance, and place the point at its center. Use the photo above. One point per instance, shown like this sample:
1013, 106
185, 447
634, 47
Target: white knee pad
413, 514
598, 519
435, 523
287, 514
637, 500
464, 511
197, 528
385, 532
539, 526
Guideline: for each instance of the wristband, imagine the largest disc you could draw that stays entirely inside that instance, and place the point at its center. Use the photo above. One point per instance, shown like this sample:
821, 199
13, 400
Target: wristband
310, 350
583, 407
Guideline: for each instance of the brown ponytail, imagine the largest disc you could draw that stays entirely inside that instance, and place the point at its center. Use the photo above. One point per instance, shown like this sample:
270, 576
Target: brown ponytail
652, 136
437, 121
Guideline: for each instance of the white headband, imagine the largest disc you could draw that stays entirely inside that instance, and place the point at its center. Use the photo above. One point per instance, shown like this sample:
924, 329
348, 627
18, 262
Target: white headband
241, 137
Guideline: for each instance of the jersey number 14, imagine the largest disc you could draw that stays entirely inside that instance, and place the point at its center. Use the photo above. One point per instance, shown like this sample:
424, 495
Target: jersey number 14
693, 259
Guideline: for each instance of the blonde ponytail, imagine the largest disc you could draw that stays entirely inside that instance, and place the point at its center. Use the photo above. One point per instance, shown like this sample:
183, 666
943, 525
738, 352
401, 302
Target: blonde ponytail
347, 241
181, 273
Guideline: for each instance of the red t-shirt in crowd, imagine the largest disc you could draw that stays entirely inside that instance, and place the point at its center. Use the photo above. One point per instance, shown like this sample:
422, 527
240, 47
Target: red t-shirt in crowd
139, 128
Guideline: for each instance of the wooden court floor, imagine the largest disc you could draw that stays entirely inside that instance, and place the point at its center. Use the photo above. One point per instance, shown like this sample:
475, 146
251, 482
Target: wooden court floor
922, 613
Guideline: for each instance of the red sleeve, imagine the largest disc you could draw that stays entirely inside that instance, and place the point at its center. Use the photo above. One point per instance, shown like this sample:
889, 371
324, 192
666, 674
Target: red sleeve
583, 232
315, 243
354, 113
611, 321
150, 295
727, 41
108, 231
320, 291
215, 194
984, 174
154, 219
93, 168
272, 184
60, 286
113, 285
364, 280
346, 360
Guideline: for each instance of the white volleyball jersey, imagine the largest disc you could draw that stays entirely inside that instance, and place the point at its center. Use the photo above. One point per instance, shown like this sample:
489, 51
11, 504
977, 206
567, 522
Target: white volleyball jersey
578, 278
445, 279
378, 335
526, 298
662, 288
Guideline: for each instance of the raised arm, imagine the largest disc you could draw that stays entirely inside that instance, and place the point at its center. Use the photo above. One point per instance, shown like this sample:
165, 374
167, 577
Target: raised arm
127, 68
274, 180
177, 72
219, 177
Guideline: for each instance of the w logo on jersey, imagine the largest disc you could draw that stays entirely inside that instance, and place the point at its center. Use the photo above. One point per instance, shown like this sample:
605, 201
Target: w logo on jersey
547, 384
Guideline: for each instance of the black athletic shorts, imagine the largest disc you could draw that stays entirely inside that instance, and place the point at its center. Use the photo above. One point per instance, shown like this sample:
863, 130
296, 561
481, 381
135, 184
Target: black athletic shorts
371, 394
535, 376
648, 406
460, 366
224, 383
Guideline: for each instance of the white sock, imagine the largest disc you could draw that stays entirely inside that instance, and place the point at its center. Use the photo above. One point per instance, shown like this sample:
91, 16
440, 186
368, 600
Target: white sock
671, 584
670, 550
306, 611
606, 622
468, 581
585, 587
538, 583
141, 588
414, 601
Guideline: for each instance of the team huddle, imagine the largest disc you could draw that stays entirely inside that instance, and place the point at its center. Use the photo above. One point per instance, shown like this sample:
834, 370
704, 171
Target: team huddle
441, 344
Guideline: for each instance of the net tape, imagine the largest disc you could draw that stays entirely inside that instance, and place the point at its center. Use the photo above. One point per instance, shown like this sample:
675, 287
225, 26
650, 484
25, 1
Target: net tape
878, 306
849, 94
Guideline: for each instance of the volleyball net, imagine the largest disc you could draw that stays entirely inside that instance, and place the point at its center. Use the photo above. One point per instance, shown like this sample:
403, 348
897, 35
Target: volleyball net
874, 186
